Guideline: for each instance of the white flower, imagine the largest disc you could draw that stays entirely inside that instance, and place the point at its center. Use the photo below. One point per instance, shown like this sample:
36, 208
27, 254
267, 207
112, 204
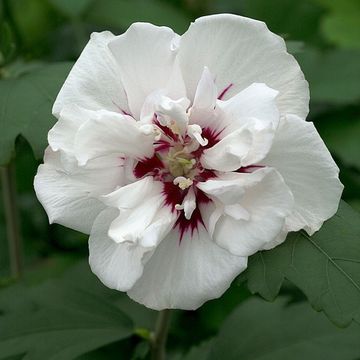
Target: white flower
182, 156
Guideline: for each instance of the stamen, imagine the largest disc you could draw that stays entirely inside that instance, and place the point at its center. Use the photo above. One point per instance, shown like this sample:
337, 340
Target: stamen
188, 204
195, 131
182, 182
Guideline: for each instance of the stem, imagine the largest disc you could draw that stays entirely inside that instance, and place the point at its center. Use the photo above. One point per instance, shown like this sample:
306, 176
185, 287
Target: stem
158, 350
12, 220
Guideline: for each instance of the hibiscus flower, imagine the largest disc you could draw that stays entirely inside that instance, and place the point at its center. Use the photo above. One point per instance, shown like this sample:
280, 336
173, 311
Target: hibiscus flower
182, 156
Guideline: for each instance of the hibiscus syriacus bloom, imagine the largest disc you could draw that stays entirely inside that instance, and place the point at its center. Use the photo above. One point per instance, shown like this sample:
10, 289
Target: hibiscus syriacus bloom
182, 156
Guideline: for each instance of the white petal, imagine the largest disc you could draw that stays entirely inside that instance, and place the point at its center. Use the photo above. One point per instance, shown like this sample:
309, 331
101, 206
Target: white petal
256, 101
237, 212
243, 147
94, 81
265, 202
278, 240
70, 193
185, 275
242, 51
172, 113
118, 266
131, 195
62, 135
146, 56
206, 92
188, 205
202, 111
301, 157
143, 218
150, 106
112, 133
229, 188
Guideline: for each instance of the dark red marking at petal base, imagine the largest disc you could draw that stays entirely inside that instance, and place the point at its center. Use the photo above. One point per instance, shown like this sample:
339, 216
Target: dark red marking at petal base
212, 136
148, 166
184, 225
121, 110
204, 175
222, 94
249, 169
167, 131
126, 113
174, 195
162, 145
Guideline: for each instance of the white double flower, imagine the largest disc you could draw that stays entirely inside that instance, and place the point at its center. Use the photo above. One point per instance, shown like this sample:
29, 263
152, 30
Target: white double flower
182, 156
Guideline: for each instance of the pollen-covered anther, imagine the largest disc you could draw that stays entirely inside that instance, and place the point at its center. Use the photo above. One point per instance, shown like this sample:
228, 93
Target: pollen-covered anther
183, 182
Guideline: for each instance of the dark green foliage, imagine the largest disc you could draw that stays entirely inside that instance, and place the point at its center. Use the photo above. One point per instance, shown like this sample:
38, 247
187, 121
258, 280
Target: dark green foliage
259, 330
25, 104
324, 266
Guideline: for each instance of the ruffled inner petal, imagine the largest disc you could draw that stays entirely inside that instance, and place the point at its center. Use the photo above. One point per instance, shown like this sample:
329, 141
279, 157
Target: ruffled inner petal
251, 209
69, 193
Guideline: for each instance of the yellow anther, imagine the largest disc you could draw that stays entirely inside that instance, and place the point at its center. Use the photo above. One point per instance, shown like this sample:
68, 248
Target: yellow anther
182, 182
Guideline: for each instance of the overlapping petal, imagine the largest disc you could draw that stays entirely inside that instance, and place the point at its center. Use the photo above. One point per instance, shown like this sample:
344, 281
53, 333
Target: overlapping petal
202, 110
70, 194
146, 55
243, 147
125, 236
242, 51
301, 157
183, 275
62, 135
109, 133
252, 208
94, 82
143, 218
118, 266
257, 101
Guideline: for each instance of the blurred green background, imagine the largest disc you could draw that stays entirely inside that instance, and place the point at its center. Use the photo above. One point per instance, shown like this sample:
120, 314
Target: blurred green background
39, 40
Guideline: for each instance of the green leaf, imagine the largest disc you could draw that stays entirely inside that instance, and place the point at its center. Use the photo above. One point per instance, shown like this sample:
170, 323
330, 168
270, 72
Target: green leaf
57, 322
340, 130
281, 16
341, 24
326, 267
333, 75
200, 352
25, 107
343, 29
121, 14
259, 330
34, 21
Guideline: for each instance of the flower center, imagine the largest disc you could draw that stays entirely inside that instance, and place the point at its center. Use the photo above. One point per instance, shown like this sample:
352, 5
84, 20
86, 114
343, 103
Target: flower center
176, 163
180, 163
